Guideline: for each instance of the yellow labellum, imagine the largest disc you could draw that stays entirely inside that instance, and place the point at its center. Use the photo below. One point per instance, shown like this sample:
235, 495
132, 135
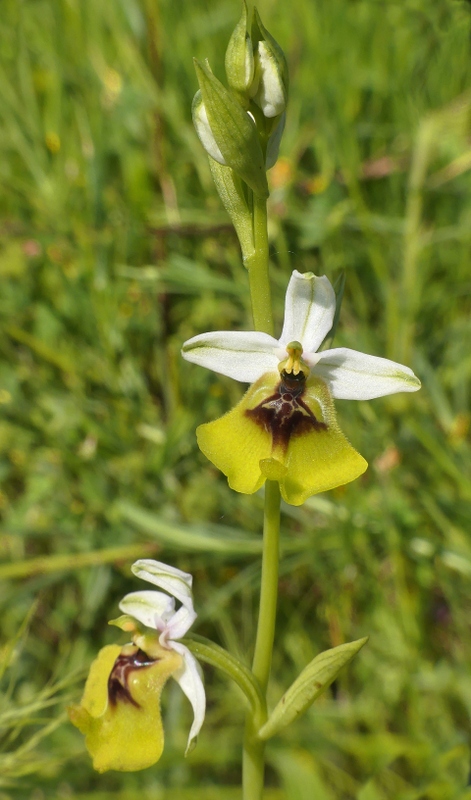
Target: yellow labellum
123, 728
289, 435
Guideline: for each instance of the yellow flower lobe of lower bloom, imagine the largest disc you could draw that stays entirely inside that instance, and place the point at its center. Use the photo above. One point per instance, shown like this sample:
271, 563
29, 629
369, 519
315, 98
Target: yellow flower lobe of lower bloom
120, 709
283, 429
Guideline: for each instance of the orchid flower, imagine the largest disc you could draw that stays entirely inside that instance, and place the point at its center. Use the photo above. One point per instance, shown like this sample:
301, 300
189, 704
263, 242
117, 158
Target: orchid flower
285, 427
120, 710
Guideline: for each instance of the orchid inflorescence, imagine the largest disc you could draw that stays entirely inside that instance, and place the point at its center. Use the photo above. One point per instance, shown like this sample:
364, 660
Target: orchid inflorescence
283, 432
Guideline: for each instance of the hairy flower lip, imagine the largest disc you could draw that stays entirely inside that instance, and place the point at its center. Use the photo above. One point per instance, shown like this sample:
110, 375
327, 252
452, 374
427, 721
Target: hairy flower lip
127, 662
305, 457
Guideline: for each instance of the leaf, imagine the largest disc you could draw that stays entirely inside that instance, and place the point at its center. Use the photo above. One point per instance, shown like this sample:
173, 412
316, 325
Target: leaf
207, 651
309, 685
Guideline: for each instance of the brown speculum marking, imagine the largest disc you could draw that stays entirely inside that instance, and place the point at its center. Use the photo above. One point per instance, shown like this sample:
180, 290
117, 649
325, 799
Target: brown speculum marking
118, 689
285, 414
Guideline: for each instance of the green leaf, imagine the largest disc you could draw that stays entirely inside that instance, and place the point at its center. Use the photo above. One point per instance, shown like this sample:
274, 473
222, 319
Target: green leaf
312, 682
207, 651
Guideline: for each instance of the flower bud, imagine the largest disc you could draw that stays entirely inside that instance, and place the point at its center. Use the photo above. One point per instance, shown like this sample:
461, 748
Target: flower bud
269, 89
239, 56
233, 131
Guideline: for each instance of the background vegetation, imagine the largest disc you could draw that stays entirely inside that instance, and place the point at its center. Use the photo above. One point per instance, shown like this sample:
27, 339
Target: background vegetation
115, 249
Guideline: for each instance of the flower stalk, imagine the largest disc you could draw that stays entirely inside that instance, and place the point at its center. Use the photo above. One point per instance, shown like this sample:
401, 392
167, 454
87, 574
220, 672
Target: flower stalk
257, 265
253, 759
254, 748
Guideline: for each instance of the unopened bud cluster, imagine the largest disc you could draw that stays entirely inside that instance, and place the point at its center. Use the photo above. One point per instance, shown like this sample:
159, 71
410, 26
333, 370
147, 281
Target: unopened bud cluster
256, 67
240, 127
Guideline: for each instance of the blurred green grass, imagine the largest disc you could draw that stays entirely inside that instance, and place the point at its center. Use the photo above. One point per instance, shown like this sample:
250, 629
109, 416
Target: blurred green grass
115, 249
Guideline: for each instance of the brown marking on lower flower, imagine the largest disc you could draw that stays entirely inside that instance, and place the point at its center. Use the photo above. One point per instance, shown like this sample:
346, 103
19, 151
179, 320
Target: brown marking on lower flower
284, 413
118, 689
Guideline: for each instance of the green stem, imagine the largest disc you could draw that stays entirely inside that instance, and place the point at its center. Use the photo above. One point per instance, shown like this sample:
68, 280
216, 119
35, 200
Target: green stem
269, 588
253, 766
257, 265
254, 748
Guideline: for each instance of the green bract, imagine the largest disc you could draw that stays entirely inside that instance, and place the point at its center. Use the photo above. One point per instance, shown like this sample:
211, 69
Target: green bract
227, 132
312, 682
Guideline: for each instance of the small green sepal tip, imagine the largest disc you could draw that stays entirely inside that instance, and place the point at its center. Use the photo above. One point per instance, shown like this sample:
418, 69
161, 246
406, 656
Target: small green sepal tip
239, 59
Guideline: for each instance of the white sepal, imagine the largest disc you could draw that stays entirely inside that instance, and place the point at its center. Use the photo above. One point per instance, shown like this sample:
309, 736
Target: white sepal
352, 375
242, 355
189, 677
309, 315
157, 610
148, 606
170, 579
309, 310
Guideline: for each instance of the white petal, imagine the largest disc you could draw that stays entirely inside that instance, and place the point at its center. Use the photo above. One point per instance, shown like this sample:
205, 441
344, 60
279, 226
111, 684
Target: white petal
171, 579
242, 355
190, 679
148, 606
309, 310
356, 376
180, 623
